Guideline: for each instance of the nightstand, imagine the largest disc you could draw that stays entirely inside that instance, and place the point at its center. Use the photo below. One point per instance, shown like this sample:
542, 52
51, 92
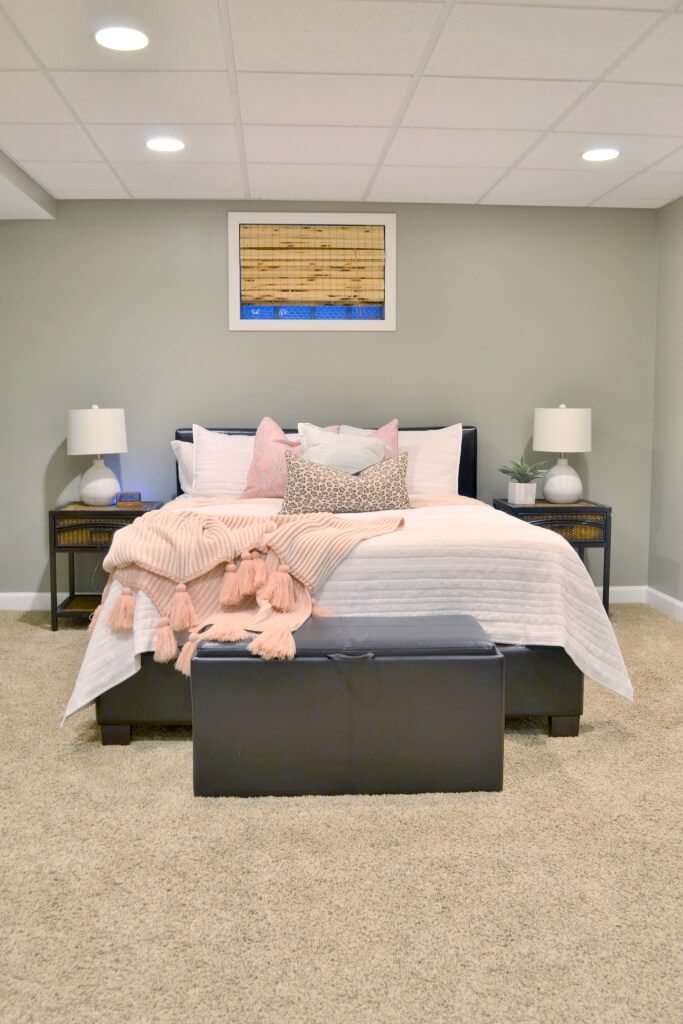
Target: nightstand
585, 524
76, 527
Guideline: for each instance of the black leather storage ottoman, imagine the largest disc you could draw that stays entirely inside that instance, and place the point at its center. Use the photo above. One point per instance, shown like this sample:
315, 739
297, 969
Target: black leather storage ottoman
369, 705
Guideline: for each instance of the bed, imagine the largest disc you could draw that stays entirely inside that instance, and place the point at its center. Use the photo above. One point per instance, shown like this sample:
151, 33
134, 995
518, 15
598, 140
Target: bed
526, 585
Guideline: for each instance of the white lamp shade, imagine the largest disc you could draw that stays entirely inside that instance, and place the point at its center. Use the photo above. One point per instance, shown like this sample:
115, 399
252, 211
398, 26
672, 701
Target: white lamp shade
562, 430
96, 431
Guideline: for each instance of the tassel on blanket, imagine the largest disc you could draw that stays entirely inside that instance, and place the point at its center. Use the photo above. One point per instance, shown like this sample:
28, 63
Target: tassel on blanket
166, 647
184, 661
230, 590
121, 616
279, 590
274, 645
260, 572
182, 614
245, 575
94, 617
318, 611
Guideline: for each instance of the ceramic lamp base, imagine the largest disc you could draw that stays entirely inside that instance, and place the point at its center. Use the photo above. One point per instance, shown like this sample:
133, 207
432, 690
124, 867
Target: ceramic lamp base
99, 485
562, 484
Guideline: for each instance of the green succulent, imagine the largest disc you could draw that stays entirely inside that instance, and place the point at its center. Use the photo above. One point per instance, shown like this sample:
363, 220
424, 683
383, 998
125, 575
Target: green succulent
522, 472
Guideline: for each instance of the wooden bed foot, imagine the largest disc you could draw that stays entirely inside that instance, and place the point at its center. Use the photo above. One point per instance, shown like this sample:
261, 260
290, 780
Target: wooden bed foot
115, 735
563, 725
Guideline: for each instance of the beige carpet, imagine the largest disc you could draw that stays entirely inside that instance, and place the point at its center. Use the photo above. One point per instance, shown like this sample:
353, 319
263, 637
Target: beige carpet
125, 899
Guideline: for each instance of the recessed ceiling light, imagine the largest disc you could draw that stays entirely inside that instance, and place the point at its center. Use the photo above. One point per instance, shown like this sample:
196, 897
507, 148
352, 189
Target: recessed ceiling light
165, 145
118, 37
599, 155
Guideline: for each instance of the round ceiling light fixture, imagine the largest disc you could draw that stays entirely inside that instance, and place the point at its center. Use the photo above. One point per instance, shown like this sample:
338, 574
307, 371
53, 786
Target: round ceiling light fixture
598, 156
164, 144
119, 37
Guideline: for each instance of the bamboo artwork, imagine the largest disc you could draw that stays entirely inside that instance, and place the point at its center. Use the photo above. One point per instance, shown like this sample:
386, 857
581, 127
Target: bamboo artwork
313, 265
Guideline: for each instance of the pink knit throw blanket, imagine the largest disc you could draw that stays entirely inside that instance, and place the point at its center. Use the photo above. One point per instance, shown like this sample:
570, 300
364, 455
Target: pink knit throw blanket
226, 577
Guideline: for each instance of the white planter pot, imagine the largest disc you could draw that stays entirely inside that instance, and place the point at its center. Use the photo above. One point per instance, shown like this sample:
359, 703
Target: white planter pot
521, 494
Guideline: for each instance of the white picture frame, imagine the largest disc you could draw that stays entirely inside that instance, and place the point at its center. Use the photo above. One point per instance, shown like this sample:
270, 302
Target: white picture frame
237, 322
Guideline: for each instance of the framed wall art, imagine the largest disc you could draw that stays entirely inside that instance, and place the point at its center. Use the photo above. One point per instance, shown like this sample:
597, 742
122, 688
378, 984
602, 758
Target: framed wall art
312, 272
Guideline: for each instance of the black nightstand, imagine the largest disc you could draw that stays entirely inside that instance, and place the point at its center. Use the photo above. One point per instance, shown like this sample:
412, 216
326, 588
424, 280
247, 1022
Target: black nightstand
585, 524
76, 527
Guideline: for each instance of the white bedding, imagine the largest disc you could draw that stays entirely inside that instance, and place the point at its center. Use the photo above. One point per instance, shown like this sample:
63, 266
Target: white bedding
524, 584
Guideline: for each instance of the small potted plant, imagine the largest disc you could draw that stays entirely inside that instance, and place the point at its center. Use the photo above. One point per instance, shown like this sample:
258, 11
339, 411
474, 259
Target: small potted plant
522, 485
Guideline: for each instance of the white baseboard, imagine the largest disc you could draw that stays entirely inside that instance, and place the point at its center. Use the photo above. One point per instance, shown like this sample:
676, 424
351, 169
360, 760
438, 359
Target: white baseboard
26, 601
626, 595
665, 603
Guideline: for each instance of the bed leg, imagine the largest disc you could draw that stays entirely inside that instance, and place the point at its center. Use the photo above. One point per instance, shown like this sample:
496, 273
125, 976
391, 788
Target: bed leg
115, 735
563, 725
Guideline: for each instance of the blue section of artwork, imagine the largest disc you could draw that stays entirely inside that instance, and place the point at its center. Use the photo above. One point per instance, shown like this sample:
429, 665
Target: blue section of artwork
332, 312
251, 311
295, 312
367, 312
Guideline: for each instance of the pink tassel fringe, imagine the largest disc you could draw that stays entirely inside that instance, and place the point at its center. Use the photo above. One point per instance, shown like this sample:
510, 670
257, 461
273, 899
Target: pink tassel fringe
230, 591
94, 617
166, 647
184, 662
260, 573
279, 590
245, 575
318, 611
121, 616
182, 614
276, 645
225, 635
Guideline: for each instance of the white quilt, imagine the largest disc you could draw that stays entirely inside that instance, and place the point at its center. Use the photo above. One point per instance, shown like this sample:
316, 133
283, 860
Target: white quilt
524, 584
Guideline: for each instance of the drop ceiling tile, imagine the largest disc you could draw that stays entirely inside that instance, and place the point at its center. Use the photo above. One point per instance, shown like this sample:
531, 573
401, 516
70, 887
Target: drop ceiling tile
484, 103
631, 109
182, 33
673, 163
46, 142
291, 144
532, 187
650, 188
73, 180
452, 147
13, 54
321, 99
203, 143
147, 180
562, 150
533, 42
659, 58
308, 182
135, 97
349, 36
432, 184
27, 96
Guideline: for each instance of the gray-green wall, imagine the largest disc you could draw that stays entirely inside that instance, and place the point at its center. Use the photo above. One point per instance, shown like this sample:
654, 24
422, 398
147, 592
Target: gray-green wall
500, 309
666, 538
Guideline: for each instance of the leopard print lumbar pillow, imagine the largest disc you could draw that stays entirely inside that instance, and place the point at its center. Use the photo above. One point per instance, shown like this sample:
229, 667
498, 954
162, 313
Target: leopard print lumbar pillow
315, 488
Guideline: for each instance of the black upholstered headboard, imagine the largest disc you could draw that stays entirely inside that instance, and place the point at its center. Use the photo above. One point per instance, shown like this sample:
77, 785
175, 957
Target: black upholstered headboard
467, 477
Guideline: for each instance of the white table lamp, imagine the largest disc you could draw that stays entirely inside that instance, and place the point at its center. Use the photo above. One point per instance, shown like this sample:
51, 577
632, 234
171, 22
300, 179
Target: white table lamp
97, 432
562, 430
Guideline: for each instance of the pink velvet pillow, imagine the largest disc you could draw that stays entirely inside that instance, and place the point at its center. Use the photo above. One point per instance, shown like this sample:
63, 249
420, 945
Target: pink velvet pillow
267, 476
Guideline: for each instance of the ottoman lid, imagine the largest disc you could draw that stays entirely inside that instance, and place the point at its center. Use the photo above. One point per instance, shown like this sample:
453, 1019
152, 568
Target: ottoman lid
409, 636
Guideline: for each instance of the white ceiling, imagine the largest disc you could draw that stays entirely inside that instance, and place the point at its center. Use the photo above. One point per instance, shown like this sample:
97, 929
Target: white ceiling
442, 101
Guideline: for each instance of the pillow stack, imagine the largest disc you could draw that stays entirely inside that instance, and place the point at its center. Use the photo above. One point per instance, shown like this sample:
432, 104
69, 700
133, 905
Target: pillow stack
364, 467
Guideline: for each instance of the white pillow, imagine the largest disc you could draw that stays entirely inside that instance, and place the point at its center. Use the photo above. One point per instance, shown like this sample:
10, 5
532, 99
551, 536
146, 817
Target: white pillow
184, 453
221, 462
433, 459
349, 453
